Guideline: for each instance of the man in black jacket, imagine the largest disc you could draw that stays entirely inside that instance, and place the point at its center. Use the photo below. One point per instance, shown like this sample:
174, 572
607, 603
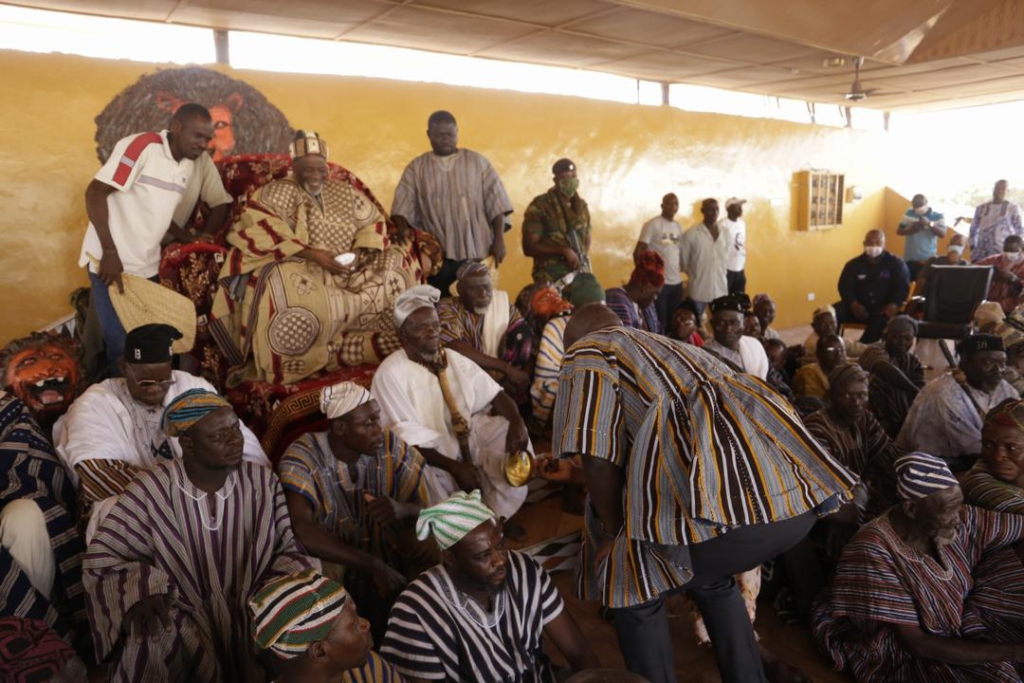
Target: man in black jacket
873, 287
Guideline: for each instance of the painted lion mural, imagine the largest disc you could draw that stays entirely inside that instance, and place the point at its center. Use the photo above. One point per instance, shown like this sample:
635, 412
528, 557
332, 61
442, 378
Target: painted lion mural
244, 121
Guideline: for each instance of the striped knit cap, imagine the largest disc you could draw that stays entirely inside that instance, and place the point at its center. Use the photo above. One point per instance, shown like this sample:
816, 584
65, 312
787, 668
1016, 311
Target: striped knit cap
450, 520
293, 612
919, 475
189, 408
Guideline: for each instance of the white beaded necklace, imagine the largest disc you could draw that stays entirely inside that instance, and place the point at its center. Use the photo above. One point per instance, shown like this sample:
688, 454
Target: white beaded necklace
217, 518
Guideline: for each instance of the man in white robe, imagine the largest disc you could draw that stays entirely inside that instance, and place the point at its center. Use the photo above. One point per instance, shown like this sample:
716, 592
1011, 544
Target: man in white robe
416, 388
946, 418
112, 431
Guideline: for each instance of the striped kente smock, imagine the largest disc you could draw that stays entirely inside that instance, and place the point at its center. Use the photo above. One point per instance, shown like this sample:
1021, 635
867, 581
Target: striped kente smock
882, 583
161, 538
310, 469
704, 448
460, 324
29, 470
454, 198
985, 491
376, 670
438, 633
864, 448
545, 371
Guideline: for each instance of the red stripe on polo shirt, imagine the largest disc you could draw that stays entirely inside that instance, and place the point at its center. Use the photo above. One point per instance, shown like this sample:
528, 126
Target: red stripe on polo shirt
132, 154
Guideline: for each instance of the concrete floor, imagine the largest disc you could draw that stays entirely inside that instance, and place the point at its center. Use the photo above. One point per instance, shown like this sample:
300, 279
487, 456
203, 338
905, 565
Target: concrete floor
693, 664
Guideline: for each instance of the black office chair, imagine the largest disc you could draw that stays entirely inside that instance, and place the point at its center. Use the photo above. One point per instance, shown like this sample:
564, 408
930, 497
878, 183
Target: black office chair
951, 296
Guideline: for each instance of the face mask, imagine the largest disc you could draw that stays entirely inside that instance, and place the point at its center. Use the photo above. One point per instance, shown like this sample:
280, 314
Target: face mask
873, 252
1012, 255
568, 186
921, 211
956, 249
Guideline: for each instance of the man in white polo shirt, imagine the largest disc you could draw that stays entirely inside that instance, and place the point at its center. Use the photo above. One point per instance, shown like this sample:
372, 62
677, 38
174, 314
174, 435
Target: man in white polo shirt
735, 230
663, 235
130, 204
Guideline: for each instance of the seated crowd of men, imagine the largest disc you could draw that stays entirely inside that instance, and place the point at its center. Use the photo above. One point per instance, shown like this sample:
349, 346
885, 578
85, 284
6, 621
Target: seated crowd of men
147, 529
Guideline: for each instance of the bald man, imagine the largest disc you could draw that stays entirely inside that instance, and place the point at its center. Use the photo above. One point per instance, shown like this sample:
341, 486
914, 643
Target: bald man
873, 287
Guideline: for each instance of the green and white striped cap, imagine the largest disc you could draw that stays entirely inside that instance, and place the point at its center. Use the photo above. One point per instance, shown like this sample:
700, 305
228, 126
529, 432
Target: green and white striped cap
450, 520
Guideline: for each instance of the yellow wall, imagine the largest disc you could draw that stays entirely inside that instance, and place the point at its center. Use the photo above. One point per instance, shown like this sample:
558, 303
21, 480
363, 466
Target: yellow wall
628, 157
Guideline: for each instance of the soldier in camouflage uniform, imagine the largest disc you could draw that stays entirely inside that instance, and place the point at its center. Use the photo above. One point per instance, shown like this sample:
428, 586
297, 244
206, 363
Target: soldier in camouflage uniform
556, 228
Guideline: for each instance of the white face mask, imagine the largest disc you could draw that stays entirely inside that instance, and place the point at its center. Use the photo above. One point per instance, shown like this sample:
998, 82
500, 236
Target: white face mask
922, 210
956, 249
873, 252
1012, 255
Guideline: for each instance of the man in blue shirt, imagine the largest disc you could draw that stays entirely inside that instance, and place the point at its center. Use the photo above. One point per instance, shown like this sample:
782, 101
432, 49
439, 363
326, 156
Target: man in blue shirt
873, 287
922, 226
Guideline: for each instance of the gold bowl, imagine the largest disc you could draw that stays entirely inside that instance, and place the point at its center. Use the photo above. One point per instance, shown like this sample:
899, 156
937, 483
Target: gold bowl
519, 468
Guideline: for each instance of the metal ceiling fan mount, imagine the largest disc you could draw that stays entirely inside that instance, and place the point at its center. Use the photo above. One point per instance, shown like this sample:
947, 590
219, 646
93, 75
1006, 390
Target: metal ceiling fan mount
857, 92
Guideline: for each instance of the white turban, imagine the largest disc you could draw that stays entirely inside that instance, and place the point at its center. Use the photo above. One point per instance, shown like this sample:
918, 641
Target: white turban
341, 399
413, 299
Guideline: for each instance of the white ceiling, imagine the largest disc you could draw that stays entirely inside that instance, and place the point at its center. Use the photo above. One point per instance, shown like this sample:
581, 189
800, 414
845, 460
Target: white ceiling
921, 54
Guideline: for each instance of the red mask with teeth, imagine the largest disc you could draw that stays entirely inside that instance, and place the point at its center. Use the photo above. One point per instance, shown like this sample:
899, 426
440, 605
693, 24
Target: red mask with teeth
44, 376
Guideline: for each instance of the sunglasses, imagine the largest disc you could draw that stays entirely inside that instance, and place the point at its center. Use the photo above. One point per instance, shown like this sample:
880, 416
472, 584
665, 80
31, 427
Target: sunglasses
146, 383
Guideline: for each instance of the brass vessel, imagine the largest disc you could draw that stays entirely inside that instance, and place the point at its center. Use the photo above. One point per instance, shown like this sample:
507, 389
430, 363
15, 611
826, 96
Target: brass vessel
519, 468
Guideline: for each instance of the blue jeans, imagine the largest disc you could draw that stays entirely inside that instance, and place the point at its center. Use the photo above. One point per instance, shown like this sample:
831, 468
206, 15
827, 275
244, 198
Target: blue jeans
113, 331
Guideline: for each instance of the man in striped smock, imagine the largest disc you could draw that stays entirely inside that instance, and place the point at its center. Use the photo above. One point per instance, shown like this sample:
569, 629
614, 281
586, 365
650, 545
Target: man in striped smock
483, 613
353, 493
112, 431
170, 572
40, 553
695, 473
455, 195
929, 592
309, 624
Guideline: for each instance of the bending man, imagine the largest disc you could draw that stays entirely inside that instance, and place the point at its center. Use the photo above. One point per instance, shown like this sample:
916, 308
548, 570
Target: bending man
677, 448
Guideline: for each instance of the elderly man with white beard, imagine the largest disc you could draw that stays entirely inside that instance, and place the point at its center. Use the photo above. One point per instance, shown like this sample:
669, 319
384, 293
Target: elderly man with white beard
312, 275
475, 323
441, 402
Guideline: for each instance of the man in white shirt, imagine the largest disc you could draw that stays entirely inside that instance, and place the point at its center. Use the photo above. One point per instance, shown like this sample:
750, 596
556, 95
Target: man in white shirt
113, 432
204, 186
702, 255
729, 342
663, 235
131, 204
734, 229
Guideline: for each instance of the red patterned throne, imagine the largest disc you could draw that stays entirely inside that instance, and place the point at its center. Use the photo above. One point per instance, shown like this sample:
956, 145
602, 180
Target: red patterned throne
277, 413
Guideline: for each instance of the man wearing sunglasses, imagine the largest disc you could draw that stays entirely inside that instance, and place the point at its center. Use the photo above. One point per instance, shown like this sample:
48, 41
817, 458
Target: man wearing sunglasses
112, 431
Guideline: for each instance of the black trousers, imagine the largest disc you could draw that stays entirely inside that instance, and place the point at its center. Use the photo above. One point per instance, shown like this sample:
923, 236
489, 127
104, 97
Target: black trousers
873, 326
643, 630
736, 281
915, 268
